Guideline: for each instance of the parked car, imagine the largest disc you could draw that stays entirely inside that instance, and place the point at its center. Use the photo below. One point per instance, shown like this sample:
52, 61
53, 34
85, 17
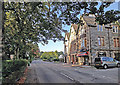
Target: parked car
106, 62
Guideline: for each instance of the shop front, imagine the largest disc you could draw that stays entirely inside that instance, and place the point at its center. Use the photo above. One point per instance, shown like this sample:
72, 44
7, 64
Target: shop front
83, 58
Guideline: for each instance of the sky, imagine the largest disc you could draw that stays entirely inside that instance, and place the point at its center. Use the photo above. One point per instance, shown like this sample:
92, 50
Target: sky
59, 45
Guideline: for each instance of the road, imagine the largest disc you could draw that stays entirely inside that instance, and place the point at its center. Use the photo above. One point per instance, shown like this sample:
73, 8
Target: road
50, 72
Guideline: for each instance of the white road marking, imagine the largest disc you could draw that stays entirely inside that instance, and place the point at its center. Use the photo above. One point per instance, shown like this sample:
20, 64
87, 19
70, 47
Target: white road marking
67, 76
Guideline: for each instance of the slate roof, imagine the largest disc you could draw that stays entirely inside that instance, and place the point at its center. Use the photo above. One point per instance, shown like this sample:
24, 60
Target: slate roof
89, 20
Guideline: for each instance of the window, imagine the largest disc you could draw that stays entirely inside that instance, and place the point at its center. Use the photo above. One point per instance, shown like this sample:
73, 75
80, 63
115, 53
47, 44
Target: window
110, 59
116, 42
101, 41
85, 43
115, 29
101, 28
81, 44
74, 46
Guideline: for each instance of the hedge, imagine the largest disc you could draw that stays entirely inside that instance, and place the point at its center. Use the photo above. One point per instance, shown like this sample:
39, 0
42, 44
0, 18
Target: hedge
12, 70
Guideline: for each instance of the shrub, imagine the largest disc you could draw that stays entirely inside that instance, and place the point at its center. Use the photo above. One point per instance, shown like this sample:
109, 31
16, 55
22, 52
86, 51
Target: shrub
12, 66
44, 59
55, 59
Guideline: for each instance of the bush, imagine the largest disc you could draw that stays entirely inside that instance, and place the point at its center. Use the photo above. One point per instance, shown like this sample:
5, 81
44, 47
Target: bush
44, 59
12, 66
55, 59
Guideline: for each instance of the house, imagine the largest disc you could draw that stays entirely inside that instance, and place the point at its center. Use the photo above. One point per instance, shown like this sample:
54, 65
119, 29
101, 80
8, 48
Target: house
66, 48
91, 40
73, 44
98, 40
70, 44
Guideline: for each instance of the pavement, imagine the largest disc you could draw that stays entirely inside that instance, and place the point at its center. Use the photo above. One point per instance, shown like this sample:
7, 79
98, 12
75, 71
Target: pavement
77, 65
50, 72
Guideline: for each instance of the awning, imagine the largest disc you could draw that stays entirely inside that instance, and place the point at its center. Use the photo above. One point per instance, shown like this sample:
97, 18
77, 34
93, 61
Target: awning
84, 50
82, 54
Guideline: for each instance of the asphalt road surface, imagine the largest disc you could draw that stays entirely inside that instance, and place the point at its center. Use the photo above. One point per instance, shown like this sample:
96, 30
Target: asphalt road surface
50, 72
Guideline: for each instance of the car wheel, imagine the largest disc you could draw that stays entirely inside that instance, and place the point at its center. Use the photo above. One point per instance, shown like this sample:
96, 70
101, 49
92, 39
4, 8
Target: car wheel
105, 66
118, 65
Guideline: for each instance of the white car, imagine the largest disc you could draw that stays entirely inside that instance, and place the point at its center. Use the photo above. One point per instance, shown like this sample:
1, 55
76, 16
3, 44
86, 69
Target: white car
106, 62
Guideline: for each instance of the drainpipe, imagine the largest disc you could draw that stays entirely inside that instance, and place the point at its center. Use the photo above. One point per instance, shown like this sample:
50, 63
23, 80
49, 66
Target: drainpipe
109, 39
90, 45
109, 42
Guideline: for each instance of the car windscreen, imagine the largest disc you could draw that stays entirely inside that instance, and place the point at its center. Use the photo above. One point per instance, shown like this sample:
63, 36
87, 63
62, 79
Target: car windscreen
105, 59
97, 59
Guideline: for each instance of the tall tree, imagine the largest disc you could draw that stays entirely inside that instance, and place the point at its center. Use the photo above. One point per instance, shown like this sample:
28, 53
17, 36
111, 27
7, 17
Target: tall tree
42, 21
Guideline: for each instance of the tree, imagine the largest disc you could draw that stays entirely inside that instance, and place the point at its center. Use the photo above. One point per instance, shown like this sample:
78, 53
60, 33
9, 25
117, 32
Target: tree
28, 23
25, 23
49, 56
69, 12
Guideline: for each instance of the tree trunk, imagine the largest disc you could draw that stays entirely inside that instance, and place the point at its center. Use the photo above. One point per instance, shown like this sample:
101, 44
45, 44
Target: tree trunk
24, 52
17, 51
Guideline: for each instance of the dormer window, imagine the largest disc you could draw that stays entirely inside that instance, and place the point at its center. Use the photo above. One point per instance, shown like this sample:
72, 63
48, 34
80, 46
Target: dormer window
99, 27
115, 29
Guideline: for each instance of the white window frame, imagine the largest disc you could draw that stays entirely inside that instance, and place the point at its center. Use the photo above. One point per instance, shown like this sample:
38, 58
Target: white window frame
115, 28
99, 41
98, 28
101, 28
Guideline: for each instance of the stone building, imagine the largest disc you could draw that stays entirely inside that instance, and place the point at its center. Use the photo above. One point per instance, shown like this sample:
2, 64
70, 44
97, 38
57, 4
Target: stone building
99, 40
92, 40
